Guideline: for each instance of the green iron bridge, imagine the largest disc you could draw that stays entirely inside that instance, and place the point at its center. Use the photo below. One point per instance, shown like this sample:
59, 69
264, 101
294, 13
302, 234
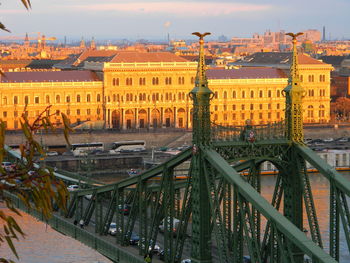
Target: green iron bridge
222, 214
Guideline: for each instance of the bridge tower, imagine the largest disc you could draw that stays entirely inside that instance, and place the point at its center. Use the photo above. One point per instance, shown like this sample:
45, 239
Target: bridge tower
201, 95
292, 180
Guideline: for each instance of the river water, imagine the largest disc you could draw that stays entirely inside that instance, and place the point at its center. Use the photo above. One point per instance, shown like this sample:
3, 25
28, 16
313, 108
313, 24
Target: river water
44, 245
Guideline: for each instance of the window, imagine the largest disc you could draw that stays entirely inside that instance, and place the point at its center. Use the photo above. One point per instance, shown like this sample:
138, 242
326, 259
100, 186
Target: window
26, 100
310, 111
15, 100
225, 94
98, 98
301, 78
243, 107
168, 81
88, 97
115, 82
251, 115
260, 116
68, 112
321, 111
68, 99
225, 117
216, 107
36, 100
243, 94
181, 80
98, 111
260, 93
57, 112
252, 94
251, 106
269, 115
78, 112
58, 99
269, 94
88, 111
278, 93
47, 99
311, 78
260, 106
192, 80
233, 107
155, 81
216, 95
269, 106
278, 115
242, 116
78, 98
4, 114
278, 106
234, 94
15, 113
234, 116
142, 81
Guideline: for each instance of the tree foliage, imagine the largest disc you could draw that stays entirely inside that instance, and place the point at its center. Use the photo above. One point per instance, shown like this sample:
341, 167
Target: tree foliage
341, 109
27, 5
36, 186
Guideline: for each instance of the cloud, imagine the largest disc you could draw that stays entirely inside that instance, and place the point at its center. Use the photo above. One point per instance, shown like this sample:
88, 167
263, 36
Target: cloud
178, 8
12, 11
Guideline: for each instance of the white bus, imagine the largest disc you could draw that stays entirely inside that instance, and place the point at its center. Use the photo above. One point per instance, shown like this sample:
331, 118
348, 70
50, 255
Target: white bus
82, 149
128, 146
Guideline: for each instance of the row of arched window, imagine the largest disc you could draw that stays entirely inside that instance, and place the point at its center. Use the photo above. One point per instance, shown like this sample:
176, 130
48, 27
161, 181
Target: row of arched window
48, 99
168, 96
244, 94
311, 78
155, 81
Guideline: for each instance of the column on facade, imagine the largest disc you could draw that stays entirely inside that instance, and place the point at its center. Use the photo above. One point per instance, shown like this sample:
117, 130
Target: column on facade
109, 118
123, 120
149, 117
175, 118
137, 125
162, 121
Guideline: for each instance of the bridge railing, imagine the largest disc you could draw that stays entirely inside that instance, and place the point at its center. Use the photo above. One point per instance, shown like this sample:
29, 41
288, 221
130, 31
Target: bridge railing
220, 132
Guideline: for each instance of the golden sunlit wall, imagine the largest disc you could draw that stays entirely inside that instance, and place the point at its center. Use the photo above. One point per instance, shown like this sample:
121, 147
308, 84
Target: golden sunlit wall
79, 100
155, 95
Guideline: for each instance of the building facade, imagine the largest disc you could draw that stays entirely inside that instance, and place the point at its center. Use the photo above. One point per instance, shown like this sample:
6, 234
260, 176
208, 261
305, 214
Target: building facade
150, 91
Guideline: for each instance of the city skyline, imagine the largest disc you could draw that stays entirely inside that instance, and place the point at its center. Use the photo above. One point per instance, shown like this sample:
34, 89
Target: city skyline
109, 19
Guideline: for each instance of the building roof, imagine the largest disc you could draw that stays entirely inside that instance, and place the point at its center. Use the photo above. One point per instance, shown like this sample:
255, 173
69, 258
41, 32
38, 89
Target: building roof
94, 53
49, 76
246, 73
131, 57
275, 58
335, 61
43, 63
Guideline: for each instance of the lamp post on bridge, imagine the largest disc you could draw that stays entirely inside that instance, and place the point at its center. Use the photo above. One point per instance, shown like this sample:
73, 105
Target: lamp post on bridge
201, 96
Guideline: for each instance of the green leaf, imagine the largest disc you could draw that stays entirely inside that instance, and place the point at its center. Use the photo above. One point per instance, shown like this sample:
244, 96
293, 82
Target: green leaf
9, 242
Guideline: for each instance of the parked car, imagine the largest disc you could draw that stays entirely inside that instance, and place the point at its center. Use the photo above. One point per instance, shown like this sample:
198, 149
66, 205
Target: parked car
328, 140
72, 187
124, 209
176, 223
52, 153
156, 249
134, 239
343, 139
112, 229
8, 166
186, 260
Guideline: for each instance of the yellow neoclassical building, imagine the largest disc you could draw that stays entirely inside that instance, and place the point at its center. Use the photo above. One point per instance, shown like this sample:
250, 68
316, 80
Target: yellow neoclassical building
131, 90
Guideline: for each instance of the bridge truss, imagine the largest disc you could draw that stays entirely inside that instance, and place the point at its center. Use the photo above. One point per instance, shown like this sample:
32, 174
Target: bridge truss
222, 215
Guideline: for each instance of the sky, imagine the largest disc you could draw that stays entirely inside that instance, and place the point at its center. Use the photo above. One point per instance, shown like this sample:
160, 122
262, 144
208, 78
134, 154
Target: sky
154, 19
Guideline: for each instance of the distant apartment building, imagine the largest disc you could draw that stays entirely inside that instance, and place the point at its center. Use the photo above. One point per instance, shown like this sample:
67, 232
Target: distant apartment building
133, 90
